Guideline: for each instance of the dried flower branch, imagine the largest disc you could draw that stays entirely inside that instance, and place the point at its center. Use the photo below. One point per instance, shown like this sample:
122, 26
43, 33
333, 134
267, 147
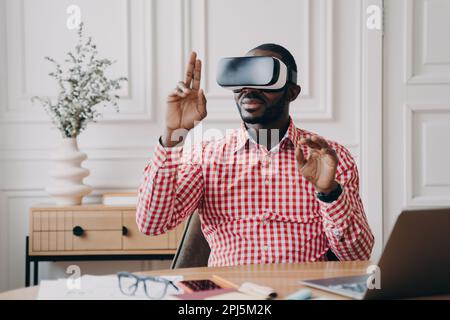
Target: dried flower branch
82, 86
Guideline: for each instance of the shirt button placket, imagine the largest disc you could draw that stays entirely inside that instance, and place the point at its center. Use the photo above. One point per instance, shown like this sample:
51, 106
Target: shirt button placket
266, 169
264, 245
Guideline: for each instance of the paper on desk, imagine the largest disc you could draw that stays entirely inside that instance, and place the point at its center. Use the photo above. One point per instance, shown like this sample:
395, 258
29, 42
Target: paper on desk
95, 288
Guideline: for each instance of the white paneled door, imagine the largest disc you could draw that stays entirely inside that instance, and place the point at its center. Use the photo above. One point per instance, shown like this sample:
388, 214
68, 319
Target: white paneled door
338, 57
416, 112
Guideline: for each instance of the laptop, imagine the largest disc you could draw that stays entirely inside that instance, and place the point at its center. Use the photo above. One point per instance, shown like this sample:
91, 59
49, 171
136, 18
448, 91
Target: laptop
414, 263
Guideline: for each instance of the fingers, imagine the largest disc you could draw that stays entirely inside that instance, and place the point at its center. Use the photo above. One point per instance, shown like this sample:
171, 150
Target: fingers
173, 96
193, 72
182, 88
315, 143
321, 142
190, 69
308, 142
197, 74
300, 156
320, 145
201, 103
191, 82
181, 91
332, 157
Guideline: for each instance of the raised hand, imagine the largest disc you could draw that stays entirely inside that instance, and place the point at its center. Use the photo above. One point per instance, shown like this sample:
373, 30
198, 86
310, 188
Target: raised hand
186, 105
320, 167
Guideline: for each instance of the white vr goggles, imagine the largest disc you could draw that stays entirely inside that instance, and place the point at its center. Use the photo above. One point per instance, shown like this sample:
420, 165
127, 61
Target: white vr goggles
261, 72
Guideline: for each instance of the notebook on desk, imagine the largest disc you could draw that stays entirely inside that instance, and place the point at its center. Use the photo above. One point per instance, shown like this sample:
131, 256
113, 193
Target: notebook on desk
92, 287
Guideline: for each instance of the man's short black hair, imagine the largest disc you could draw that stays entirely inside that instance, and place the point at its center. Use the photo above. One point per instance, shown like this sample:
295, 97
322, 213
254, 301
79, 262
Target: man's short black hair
286, 56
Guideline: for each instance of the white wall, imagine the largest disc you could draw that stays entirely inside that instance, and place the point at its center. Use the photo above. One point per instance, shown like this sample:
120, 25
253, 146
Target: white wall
151, 40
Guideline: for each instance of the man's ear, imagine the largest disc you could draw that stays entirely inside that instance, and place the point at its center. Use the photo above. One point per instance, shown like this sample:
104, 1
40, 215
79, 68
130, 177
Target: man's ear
293, 92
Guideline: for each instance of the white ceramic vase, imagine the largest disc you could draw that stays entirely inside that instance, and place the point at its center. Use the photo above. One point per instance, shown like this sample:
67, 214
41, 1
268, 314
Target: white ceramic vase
66, 187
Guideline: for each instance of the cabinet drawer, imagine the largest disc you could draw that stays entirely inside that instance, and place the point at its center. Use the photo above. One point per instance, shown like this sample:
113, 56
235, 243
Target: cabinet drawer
98, 240
98, 220
136, 240
52, 241
66, 221
47, 221
44, 241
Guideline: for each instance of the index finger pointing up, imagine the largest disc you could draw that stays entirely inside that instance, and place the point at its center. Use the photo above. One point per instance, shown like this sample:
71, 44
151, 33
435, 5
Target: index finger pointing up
190, 69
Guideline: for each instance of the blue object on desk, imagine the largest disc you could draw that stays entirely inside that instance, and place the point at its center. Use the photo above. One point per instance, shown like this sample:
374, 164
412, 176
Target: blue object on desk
303, 294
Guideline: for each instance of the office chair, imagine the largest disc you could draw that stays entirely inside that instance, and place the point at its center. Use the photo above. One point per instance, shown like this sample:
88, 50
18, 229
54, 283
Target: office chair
193, 250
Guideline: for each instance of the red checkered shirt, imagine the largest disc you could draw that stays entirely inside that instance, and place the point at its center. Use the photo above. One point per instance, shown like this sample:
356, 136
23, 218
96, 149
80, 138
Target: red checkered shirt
254, 205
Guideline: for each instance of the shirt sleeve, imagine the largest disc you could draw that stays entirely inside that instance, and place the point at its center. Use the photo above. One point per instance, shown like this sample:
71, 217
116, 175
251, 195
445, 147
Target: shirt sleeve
171, 189
344, 220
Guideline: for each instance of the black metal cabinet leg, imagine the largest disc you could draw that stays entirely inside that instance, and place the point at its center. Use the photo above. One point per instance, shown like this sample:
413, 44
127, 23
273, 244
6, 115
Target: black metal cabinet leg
36, 259
27, 264
36, 273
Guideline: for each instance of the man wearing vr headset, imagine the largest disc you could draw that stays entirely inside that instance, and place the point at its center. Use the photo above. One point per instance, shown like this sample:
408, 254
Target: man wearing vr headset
251, 213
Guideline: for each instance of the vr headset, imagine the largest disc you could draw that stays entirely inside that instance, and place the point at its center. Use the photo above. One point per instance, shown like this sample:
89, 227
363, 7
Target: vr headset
261, 72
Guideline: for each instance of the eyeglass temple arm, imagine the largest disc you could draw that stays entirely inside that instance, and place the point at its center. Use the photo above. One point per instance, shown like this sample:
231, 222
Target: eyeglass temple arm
173, 284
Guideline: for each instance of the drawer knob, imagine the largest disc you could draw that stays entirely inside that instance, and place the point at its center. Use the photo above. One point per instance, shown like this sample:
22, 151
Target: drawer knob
78, 231
124, 231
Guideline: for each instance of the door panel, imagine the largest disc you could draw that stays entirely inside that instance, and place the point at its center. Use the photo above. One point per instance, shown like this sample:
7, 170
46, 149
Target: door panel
416, 108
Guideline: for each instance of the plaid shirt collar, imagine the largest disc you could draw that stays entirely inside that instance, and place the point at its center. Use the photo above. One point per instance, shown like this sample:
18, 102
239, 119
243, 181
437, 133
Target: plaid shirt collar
289, 140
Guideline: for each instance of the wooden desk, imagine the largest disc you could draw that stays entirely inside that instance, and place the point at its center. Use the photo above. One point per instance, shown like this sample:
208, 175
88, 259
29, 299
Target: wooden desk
283, 278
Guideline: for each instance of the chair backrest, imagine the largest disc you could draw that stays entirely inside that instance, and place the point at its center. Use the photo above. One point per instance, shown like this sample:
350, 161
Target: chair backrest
193, 249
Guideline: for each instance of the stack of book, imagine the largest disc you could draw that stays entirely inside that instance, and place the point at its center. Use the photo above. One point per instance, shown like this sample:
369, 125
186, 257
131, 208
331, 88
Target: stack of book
120, 199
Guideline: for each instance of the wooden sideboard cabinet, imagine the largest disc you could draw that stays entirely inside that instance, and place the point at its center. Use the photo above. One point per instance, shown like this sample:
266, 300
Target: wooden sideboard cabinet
92, 232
